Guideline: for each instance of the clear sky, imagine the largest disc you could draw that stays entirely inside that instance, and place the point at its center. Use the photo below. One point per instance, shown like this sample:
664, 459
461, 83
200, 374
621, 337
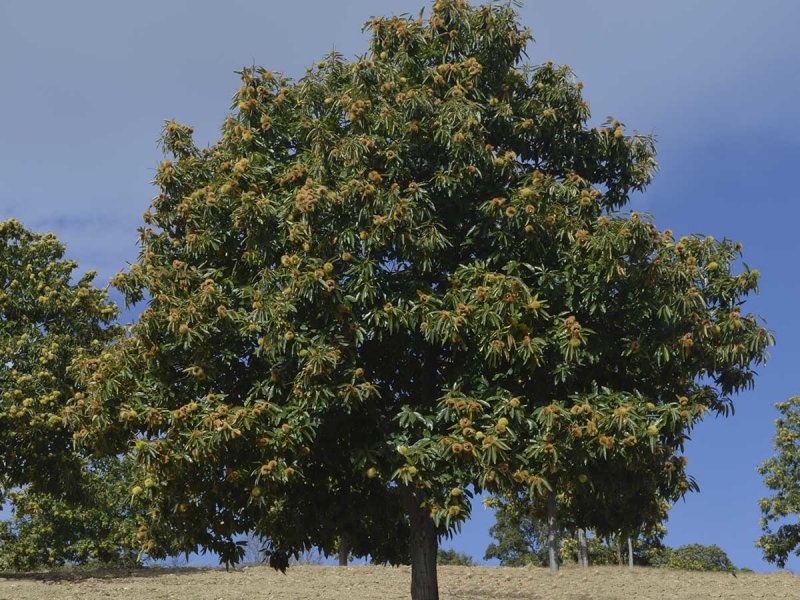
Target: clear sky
85, 87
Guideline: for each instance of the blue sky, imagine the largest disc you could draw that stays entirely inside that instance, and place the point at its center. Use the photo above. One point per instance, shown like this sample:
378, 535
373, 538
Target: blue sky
86, 87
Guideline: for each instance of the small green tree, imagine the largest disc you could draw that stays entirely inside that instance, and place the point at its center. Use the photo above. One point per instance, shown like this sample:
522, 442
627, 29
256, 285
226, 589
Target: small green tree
96, 526
782, 476
399, 277
48, 320
691, 557
519, 535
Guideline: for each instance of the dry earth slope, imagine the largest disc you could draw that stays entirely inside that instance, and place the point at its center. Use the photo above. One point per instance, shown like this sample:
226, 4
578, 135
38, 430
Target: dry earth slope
384, 583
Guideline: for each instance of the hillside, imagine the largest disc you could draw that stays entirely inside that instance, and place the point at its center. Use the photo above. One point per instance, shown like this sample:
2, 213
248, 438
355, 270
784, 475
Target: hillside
381, 583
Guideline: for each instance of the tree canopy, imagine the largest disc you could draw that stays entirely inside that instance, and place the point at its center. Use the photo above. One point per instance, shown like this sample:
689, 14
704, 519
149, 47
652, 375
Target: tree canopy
782, 477
48, 320
400, 278
93, 526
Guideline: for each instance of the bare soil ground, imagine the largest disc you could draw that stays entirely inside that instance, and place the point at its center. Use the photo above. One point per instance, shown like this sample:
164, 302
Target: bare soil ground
385, 583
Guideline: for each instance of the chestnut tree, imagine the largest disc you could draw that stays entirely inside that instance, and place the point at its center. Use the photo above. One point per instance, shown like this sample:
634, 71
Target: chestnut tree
93, 525
780, 510
399, 279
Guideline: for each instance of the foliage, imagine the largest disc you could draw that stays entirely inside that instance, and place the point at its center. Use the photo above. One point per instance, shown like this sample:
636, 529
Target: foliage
691, 557
521, 535
47, 320
95, 527
453, 557
401, 276
600, 552
782, 476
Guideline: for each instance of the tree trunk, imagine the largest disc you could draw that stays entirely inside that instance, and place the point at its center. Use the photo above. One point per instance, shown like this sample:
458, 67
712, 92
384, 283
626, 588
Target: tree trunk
618, 539
344, 549
630, 553
583, 549
423, 545
552, 532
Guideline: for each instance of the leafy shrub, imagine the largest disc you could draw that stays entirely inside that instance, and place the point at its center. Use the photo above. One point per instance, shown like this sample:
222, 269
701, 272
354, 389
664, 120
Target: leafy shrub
691, 557
452, 557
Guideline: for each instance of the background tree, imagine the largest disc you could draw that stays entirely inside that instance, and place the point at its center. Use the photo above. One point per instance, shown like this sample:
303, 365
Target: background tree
401, 276
95, 527
454, 558
691, 557
48, 318
782, 476
602, 506
520, 534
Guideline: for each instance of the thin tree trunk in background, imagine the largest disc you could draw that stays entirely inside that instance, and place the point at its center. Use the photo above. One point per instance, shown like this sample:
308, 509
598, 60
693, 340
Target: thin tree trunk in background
423, 545
552, 532
344, 549
618, 539
630, 553
583, 549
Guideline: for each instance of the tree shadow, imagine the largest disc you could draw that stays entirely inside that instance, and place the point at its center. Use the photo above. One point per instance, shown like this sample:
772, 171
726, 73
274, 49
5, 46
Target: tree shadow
79, 575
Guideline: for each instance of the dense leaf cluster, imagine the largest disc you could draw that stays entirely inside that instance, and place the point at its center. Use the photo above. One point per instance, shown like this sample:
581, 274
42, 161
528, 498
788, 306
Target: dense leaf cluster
782, 477
94, 526
48, 321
